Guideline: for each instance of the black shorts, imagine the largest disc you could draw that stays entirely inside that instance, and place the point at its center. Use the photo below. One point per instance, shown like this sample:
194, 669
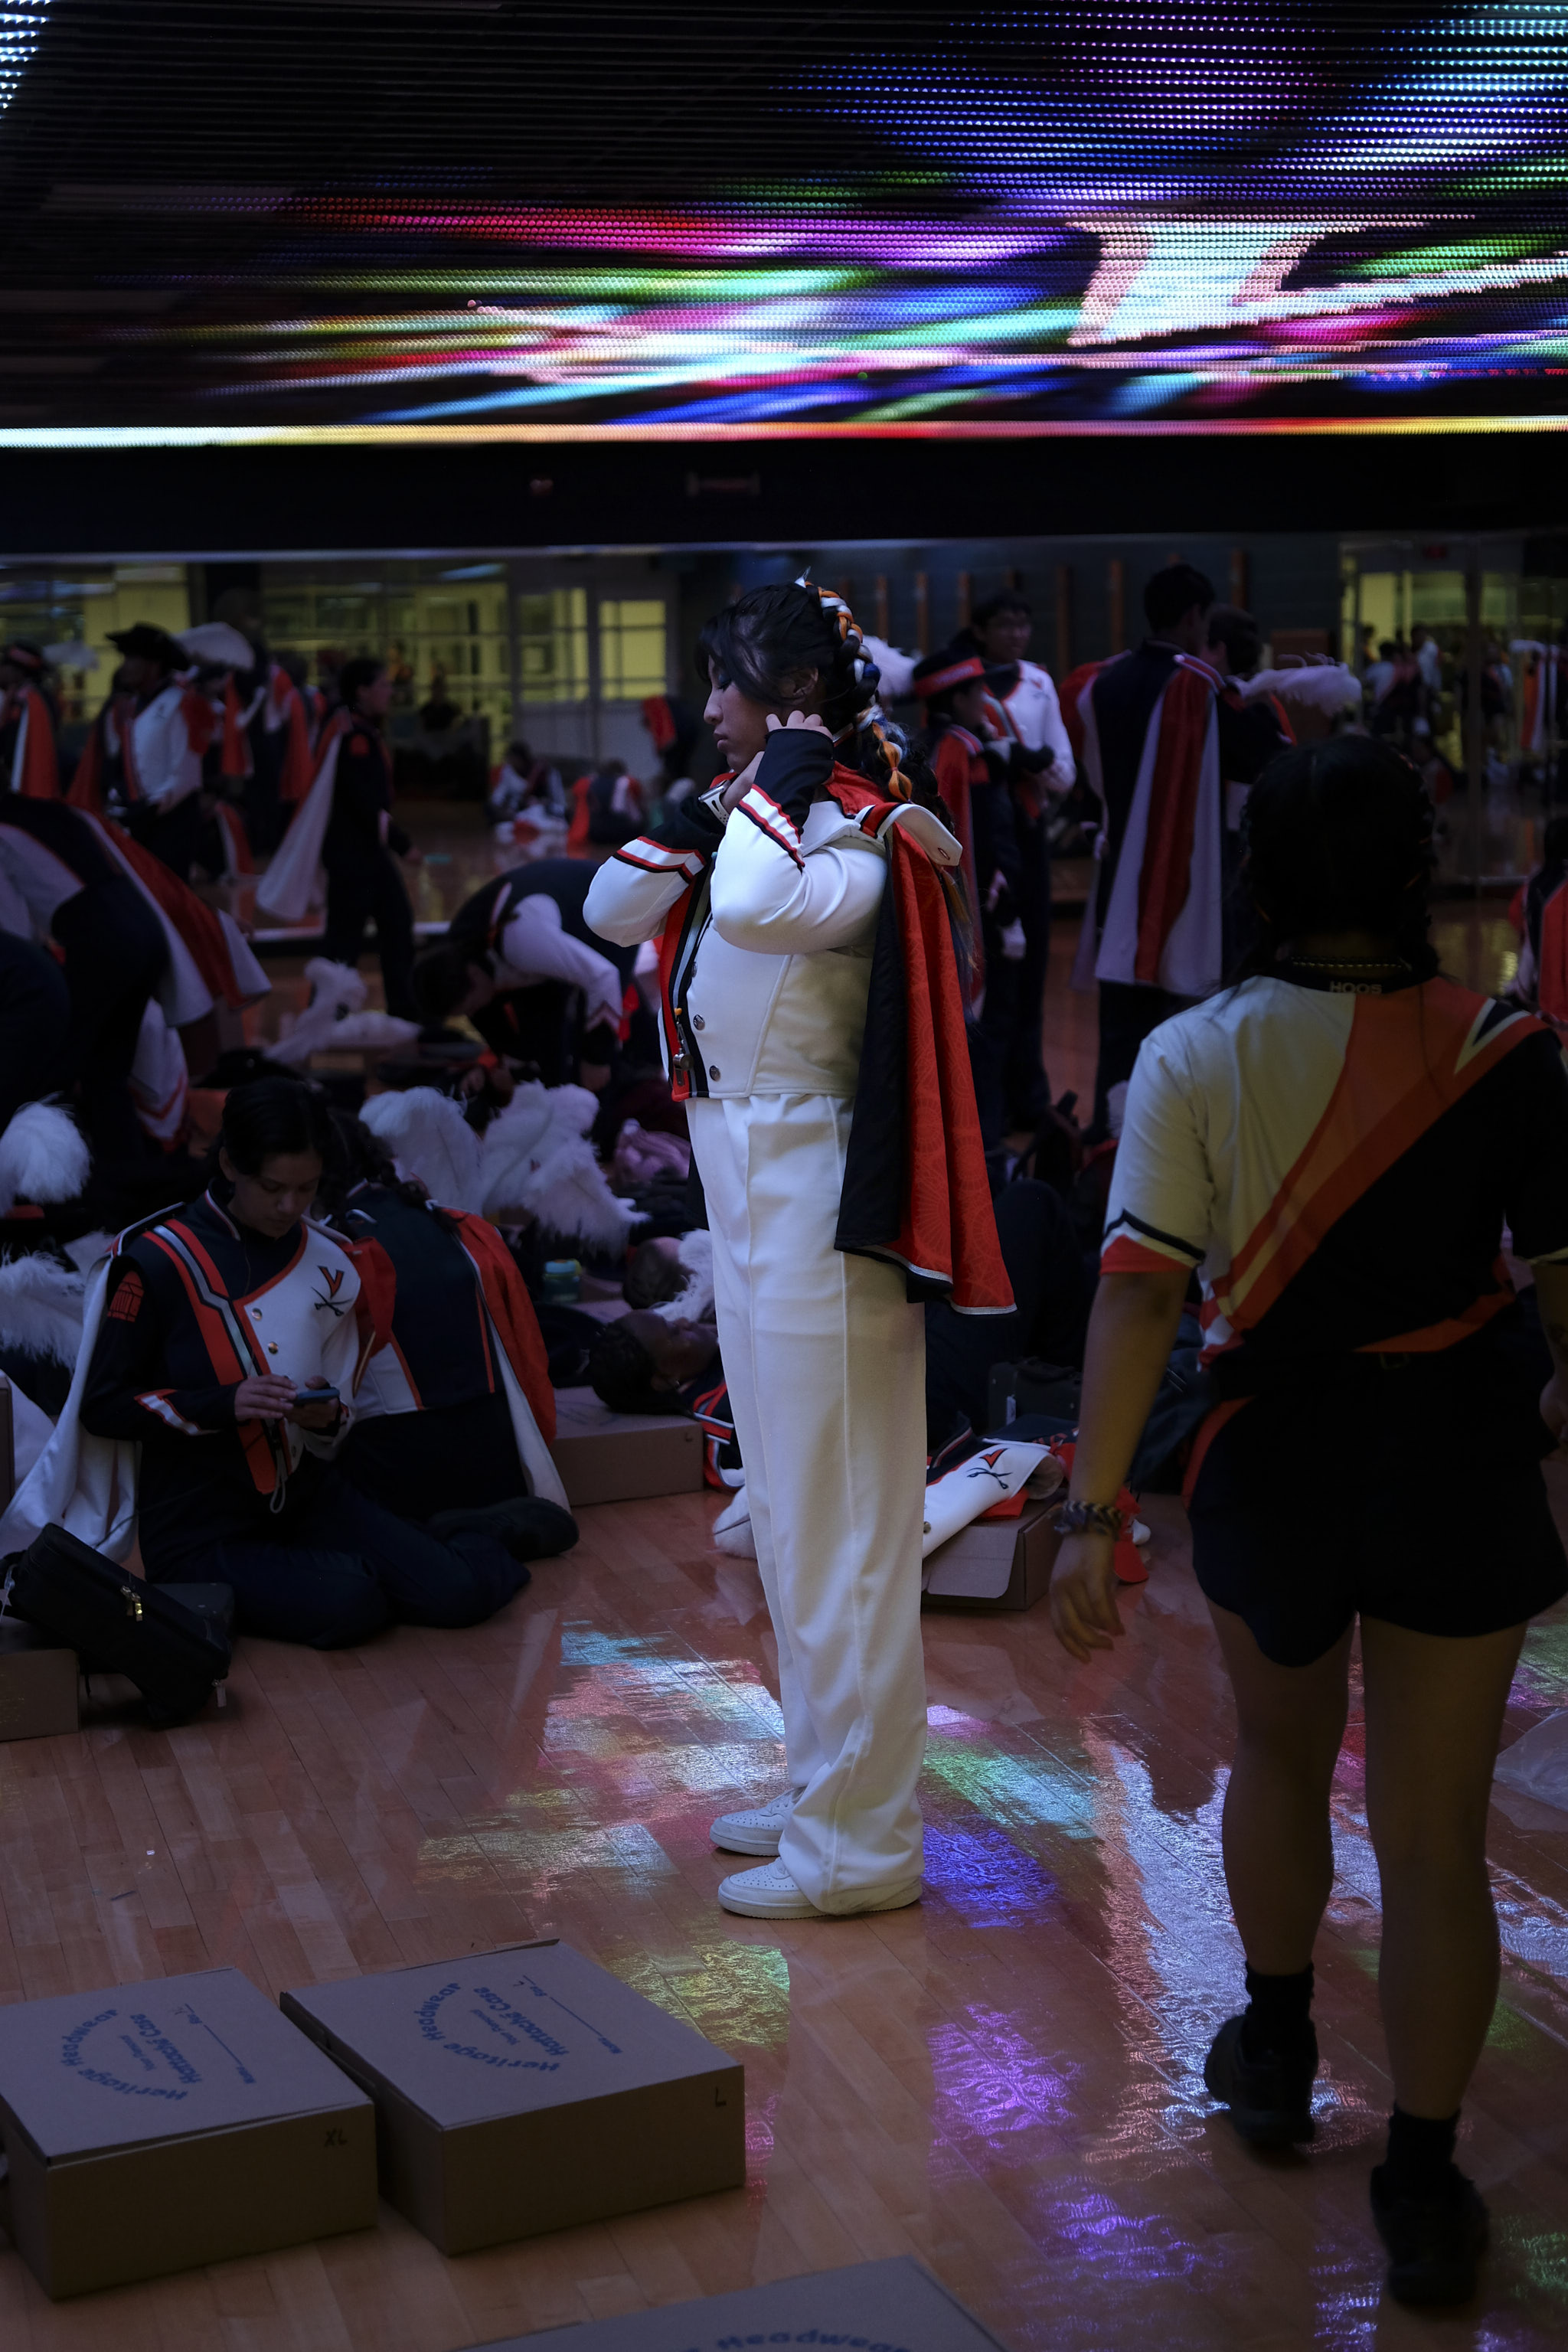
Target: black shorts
1413, 1494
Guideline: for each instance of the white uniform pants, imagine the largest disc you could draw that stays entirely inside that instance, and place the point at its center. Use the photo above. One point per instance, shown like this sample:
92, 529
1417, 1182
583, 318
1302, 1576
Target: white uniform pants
826, 1365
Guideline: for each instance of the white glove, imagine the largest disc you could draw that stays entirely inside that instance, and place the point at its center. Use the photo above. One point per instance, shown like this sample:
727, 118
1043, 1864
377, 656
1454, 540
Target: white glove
1013, 945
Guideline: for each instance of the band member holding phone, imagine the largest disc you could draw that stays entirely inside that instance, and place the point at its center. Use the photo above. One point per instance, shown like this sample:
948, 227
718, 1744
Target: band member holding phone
222, 1346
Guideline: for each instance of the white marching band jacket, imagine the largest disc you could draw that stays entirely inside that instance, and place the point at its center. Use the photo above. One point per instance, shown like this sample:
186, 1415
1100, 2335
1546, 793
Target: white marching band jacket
772, 972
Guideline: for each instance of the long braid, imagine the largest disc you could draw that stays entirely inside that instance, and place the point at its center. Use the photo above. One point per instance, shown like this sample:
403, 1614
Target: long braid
867, 716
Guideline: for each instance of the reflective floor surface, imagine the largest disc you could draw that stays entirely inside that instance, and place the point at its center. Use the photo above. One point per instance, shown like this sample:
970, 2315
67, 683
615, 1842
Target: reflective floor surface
1004, 2080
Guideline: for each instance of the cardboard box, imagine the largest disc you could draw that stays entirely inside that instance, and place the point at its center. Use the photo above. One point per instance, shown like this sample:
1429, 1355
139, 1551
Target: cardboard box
151, 2127
37, 1684
623, 1457
994, 1563
892, 2307
528, 2090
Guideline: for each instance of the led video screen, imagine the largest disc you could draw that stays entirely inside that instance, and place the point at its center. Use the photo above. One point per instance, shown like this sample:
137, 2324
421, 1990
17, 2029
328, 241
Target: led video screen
867, 221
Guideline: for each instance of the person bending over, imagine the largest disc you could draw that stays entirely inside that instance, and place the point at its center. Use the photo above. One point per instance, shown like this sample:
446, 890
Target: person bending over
1335, 1142
65, 880
519, 962
222, 1324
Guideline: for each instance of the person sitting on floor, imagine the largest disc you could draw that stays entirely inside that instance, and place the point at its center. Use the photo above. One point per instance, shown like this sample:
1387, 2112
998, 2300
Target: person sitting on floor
457, 1400
222, 1348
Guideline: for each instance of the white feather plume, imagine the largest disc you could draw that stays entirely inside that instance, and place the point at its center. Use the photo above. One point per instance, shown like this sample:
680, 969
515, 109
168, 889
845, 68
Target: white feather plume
40, 1306
1327, 687
42, 1155
537, 1161
429, 1137
693, 1302
214, 641
898, 669
336, 1017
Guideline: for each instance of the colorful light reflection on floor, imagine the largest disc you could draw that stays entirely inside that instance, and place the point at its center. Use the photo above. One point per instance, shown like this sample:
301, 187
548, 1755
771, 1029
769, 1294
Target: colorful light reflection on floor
1007, 2079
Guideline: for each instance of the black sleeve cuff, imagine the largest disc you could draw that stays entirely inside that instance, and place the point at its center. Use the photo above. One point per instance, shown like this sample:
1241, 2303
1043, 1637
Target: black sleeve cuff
691, 824
796, 760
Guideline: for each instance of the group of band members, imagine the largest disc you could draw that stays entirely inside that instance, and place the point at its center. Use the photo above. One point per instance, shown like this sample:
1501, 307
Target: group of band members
209, 747
203, 746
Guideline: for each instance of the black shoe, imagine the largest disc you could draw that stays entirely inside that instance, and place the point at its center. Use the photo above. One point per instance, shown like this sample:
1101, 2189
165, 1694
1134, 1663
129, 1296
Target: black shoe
1435, 2241
530, 1527
1270, 2098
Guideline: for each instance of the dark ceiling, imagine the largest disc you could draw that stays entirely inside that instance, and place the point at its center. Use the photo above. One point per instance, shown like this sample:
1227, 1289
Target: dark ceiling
477, 214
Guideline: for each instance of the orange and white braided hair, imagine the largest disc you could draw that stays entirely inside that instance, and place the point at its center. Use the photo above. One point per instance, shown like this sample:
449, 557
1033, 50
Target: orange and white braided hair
867, 718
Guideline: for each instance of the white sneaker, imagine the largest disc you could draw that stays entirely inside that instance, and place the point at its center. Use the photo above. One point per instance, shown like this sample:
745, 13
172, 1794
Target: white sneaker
756, 1829
771, 1893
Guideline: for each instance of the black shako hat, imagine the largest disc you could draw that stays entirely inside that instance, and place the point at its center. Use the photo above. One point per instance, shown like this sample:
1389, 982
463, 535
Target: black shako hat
145, 640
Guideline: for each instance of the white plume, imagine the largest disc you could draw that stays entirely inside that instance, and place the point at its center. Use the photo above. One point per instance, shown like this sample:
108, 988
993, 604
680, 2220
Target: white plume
898, 670
429, 1137
40, 1306
693, 1303
42, 1155
1327, 687
336, 1016
214, 641
537, 1161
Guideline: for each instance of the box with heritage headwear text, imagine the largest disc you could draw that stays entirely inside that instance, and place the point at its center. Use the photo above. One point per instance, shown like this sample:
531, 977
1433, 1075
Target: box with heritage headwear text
888, 2307
527, 2089
151, 2127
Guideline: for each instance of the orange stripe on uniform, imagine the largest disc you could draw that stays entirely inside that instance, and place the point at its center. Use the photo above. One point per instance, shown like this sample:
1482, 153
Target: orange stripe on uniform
1387, 1097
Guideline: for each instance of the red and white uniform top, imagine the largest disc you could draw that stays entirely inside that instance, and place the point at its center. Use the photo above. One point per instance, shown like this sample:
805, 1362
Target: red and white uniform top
161, 745
771, 977
1031, 715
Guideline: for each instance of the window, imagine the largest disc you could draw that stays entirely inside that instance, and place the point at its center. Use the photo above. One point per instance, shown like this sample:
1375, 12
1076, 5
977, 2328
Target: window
429, 624
633, 655
552, 645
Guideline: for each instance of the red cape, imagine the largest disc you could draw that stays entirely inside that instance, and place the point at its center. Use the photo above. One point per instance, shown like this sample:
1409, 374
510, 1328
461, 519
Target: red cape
507, 1301
194, 919
512, 1312
916, 1190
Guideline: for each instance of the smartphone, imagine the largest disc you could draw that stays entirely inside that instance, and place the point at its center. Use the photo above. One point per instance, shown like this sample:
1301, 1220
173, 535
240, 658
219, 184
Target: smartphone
317, 1396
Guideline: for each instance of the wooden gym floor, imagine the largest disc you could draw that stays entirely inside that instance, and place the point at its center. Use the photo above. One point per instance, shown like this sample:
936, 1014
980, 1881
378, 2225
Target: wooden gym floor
1004, 2080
